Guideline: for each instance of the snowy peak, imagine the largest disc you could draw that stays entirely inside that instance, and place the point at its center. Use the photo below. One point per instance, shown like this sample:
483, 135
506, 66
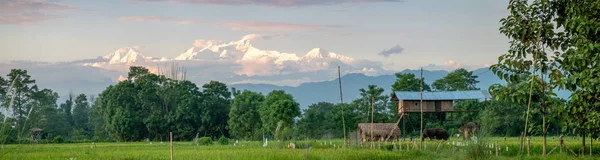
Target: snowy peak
319, 53
125, 55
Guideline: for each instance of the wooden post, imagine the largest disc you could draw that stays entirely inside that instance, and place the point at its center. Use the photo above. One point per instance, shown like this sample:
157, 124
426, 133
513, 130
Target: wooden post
421, 103
528, 145
342, 105
372, 110
562, 142
400, 141
171, 144
521, 140
497, 148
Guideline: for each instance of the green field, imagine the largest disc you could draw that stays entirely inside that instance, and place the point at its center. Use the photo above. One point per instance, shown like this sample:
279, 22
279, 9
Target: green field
320, 149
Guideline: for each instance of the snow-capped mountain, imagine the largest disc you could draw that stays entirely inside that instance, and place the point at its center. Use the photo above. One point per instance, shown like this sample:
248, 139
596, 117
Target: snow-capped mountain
243, 50
126, 55
243, 59
318, 53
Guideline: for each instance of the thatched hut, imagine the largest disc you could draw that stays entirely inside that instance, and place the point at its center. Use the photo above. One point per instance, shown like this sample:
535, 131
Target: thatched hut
35, 134
36, 131
380, 131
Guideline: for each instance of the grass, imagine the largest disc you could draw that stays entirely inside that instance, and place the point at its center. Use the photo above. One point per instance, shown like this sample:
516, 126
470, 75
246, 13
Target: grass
320, 149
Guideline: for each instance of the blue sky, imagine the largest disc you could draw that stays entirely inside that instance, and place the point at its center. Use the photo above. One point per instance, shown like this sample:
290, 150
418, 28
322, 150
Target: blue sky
438, 32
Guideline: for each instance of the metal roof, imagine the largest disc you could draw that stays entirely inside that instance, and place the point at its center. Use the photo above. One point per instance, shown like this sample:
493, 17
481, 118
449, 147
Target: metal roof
446, 95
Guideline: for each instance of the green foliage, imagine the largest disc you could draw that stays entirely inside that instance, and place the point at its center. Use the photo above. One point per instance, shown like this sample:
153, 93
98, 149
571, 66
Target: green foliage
502, 118
477, 151
67, 108
205, 141
96, 121
373, 103
81, 116
151, 106
136, 72
58, 139
215, 107
580, 44
223, 140
51, 120
319, 121
465, 117
244, 119
408, 82
23, 91
457, 80
278, 106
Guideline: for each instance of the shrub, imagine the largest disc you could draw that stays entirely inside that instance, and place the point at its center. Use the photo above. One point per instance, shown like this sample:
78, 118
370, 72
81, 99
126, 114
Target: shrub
223, 140
59, 139
477, 151
205, 141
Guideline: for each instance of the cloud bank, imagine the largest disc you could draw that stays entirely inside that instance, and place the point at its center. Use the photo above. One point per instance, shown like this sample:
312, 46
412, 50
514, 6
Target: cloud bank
272, 3
30, 11
234, 25
394, 50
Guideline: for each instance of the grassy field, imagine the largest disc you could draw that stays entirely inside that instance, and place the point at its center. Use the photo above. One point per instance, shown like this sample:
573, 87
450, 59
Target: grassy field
320, 149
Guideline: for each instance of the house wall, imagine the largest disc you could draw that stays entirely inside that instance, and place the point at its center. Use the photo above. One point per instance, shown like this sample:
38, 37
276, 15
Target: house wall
412, 106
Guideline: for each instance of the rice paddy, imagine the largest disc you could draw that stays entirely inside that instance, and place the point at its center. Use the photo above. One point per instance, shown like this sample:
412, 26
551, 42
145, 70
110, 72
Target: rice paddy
306, 149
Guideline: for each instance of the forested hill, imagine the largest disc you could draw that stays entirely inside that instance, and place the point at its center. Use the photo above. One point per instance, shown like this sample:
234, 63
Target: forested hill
328, 91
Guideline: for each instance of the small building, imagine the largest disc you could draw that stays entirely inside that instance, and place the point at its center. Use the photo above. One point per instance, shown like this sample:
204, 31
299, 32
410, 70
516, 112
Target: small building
380, 131
435, 102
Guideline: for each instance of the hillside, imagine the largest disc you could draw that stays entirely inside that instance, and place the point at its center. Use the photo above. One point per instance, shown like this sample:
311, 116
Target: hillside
328, 91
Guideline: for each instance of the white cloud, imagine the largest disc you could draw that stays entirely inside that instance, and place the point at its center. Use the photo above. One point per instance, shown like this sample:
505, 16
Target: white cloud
91, 76
452, 65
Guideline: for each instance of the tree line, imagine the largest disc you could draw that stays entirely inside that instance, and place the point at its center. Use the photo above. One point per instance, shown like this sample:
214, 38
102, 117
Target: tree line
147, 106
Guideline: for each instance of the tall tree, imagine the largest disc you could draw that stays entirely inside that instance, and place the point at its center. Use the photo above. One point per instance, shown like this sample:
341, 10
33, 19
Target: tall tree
530, 28
67, 108
374, 103
187, 116
244, 119
457, 80
319, 121
408, 82
3, 87
96, 120
277, 107
80, 114
501, 118
136, 72
216, 103
40, 115
121, 113
23, 89
580, 45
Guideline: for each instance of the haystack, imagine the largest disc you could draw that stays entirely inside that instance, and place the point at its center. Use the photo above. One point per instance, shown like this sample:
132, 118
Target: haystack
380, 131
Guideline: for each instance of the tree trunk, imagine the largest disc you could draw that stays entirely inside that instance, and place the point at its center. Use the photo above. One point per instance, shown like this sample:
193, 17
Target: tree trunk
591, 141
544, 132
583, 145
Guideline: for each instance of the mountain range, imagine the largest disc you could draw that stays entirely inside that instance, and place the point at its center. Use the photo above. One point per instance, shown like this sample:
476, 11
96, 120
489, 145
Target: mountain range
309, 77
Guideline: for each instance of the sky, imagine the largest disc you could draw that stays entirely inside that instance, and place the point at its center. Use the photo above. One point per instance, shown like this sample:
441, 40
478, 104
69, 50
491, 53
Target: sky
398, 33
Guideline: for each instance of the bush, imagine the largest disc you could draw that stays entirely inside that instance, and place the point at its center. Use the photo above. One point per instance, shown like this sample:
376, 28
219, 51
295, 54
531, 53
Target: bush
205, 141
59, 139
223, 140
477, 151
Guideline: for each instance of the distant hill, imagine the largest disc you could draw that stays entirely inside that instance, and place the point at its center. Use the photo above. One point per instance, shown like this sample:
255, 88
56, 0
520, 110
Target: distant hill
328, 91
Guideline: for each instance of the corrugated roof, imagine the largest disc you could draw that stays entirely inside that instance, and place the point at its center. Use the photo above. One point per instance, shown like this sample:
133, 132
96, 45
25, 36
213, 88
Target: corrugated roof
446, 95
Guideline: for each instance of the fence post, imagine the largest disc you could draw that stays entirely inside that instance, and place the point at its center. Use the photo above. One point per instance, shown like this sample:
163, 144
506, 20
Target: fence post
496, 148
562, 142
171, 144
